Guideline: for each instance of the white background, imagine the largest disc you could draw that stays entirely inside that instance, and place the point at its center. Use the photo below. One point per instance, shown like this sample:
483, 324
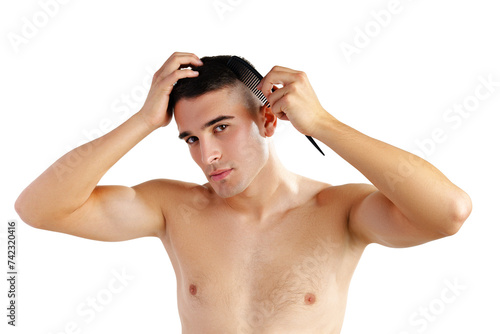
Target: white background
64, 83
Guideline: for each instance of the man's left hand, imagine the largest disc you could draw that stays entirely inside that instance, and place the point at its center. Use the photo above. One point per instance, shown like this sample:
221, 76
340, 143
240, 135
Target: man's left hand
295, 100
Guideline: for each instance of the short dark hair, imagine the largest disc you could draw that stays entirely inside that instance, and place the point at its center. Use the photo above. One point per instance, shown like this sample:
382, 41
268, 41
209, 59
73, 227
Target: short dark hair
213, 75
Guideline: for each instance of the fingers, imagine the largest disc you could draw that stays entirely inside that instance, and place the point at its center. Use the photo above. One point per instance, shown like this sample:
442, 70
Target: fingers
280, 98
278, 76
281, 94
177, 62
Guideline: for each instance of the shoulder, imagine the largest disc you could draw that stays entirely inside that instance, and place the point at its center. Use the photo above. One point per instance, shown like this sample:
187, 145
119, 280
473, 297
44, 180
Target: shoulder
347, 192
342, 201
335, 204
170, 193
168, 185
339, 196
350, 193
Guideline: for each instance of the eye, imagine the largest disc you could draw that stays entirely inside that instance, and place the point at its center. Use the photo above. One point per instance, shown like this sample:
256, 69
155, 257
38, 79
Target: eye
220, 128
191, 140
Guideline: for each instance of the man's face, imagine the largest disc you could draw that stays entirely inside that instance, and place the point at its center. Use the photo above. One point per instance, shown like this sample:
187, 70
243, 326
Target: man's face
225, 139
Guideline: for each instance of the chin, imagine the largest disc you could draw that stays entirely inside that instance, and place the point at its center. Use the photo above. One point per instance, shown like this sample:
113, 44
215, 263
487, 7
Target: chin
227, 190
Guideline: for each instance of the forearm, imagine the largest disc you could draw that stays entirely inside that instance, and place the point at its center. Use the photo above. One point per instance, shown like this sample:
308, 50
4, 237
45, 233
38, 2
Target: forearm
69, 182
418, 189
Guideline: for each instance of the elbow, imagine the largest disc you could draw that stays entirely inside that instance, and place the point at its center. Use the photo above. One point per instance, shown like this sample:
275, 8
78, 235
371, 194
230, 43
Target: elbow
25, 212
36, 213
460, 209
21, 208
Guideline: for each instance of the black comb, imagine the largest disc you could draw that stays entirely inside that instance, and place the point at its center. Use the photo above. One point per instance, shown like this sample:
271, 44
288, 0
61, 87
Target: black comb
247, 74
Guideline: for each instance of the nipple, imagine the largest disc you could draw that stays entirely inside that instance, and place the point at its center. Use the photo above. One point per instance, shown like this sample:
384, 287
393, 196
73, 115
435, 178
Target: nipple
192, 289
309, 299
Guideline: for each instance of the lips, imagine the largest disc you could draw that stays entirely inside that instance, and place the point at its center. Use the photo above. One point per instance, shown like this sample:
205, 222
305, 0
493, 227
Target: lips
220, 174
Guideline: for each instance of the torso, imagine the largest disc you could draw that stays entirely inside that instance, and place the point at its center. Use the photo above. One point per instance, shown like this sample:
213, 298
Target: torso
288, 274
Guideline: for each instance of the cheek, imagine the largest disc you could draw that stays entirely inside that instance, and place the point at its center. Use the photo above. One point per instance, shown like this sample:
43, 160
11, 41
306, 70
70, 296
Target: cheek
251, 145
196, 156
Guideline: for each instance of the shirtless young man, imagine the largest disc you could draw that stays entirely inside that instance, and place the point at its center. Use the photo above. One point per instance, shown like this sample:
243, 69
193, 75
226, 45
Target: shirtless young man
257, 249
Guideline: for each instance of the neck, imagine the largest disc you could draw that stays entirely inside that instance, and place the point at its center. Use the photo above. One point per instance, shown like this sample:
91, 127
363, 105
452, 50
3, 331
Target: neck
272, 191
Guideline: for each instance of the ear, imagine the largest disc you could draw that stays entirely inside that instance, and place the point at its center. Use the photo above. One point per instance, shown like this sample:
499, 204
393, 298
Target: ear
270, 120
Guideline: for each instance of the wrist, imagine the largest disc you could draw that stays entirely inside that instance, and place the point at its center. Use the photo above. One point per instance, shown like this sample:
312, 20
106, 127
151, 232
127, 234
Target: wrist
324, 125
149, 123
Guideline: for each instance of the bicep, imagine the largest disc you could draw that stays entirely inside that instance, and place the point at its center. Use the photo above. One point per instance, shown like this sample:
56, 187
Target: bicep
116, 213
375, 219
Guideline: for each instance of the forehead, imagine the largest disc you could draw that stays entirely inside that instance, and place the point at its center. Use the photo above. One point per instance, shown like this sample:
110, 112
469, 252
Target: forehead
191, 113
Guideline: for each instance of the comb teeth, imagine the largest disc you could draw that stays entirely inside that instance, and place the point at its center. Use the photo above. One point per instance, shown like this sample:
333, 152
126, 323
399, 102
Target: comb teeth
248, 75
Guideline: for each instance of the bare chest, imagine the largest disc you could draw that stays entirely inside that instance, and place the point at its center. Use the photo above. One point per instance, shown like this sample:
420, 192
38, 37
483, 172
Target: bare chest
290, 271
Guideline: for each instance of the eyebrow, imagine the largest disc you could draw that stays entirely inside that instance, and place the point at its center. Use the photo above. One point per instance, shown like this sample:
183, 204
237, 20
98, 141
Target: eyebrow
207, 124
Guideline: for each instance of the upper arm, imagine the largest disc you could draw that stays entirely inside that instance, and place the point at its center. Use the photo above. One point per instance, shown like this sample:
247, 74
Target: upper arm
373, 218
116, 213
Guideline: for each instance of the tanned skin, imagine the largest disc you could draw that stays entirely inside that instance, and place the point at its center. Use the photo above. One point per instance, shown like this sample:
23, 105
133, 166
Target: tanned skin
256, 249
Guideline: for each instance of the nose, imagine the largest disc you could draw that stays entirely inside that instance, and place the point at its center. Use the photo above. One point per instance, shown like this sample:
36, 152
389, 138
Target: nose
210, 152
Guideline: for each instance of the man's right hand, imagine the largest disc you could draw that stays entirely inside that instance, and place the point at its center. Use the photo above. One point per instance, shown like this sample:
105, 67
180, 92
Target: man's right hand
154, 110
66, 197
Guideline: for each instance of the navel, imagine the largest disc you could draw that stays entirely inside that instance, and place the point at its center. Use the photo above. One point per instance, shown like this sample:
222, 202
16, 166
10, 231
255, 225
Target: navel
192, 289
309, 299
